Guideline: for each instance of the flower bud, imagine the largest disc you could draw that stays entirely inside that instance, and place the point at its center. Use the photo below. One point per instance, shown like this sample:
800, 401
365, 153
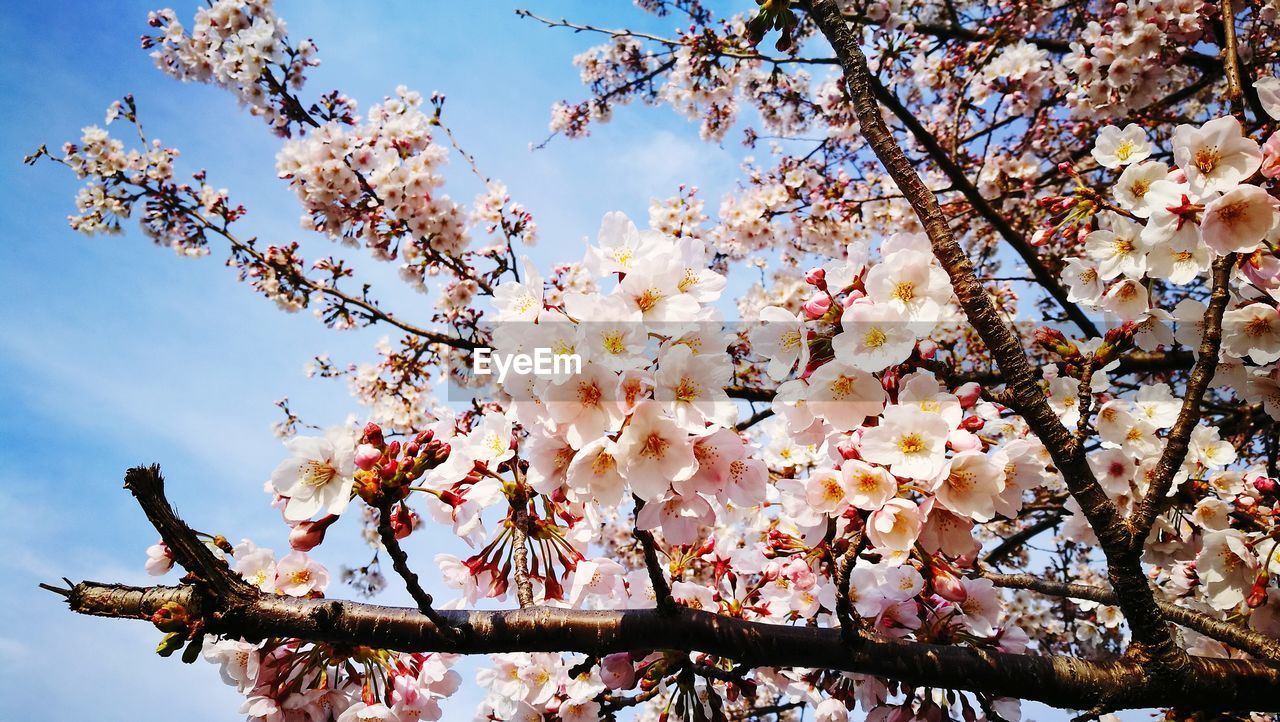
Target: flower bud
372, 434
816, 307
969, 394
926, 349
1258, 594
947, 586
1265, 485
367, 456
816, 277
1053, 340
308, 535
617, 671
172, 617
403, 520
963, 440
771, 571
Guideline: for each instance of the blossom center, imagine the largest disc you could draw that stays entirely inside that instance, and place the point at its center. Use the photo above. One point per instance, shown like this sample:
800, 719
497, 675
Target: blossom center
647, 300
1206, 159
687, 391
655, 446
588, 394
318, 473
875, 338
912, 443
905, 291
1257, 327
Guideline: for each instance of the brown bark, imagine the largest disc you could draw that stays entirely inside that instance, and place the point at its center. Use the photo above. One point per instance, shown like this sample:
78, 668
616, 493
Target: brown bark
1151, 633
1060, 681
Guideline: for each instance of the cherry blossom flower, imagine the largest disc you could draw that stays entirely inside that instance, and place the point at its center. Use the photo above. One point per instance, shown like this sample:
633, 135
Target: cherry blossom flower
297, 575
1127, 299
1134, 183
1253, 332
780, 338
593, 473
691, 388
873, 337
911, 442
909, 281
159, 560
1238, 220
1226, 567
1117, 250
844, 396
1084, 284
970, 485
896, 525
654, 451
869, 487
1216, 156
318, 476
1115, 148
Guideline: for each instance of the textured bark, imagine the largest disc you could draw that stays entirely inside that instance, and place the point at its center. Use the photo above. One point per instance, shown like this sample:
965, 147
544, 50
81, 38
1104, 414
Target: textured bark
1124, 569
1065, 682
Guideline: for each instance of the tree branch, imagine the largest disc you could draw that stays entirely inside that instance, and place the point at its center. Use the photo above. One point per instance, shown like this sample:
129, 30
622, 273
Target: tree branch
1237, 636
960, 180
1179, 439
400, 562
1124, 567
661, 589
1061, 681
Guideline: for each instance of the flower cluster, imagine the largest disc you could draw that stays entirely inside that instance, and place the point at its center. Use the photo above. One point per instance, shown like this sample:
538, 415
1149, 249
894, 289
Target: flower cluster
379, 182
237, 45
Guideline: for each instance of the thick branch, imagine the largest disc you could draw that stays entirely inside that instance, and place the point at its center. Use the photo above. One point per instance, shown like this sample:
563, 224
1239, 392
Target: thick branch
147, 486
1026, 396
1060, 681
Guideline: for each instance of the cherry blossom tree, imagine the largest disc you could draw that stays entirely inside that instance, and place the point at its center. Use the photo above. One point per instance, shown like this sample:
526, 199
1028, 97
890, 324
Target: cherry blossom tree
996, 418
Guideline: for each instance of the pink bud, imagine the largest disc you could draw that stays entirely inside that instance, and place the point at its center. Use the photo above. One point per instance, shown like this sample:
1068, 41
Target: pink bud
367, 456
816, 277
307, 535
947, 586
1265, 485
973, 423
848, 450
403, 521
969, 394
816, 307
373, 434
927, 349
617, 671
